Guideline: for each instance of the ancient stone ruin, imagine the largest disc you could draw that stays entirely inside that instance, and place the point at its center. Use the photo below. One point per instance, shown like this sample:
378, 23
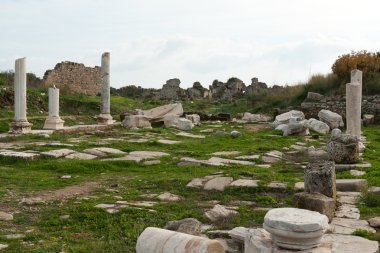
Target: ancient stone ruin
74, 78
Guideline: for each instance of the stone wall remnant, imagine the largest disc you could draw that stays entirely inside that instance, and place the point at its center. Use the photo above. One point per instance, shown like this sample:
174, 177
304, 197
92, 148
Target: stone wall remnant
74, 77
171, 90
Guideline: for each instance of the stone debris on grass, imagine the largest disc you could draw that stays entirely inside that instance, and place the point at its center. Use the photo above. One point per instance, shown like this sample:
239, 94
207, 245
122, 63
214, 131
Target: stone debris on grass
65, 177
137, 140
239, 233
64, 217
139, 156
218, 183
5, 216
32, 201
169, 197
169, 142
137, 203
374, 222
197, 182
213, 161
248, 157
54, 144
184, 134
189, 226
219, 213
357, 173
348, 226
3, 246
80, 156
151, 162
19, 155
218, 160
277, 185
102, 151
226, 153
58, 152
14, 236
105, 206
245, 183
208, 130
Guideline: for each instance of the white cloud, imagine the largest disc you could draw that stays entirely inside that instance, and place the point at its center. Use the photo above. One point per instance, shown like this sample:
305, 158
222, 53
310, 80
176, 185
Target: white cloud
151, 41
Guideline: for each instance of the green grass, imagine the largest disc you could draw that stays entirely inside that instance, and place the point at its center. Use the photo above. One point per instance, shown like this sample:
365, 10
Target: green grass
93, 230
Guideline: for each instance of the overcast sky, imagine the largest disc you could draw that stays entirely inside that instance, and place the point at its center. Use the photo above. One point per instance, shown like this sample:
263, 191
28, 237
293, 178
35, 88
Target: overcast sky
280, 42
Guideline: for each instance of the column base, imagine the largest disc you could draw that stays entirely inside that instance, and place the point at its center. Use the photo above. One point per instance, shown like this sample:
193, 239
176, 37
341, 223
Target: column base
105, 119
53, 123
20, 127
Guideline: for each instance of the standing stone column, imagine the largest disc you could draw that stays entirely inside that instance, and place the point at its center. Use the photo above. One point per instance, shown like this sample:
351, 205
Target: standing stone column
53, 121
20, 124
353, 108
354, 103
105, 107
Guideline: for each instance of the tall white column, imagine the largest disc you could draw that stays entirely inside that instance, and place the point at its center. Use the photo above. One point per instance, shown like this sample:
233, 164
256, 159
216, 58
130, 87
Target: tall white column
354, 103
105, 107
20, 123
357, 77
353, 109
53, 121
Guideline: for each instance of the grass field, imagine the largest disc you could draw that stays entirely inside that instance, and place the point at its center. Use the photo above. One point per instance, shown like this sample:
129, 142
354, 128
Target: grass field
90, 229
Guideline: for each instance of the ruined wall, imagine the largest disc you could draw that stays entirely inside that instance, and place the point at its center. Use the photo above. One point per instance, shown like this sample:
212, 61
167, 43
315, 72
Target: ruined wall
74, 78
171, 90
370, 105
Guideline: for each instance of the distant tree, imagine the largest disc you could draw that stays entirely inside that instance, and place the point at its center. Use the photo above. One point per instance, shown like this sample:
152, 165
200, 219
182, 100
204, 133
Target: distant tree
365, 61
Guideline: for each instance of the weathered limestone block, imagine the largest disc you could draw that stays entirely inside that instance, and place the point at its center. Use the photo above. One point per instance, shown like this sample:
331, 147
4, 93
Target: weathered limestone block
318, 126
296, 229
156, 240
285, 117
258, 241
313, 96
20, 124
320, 178
351, 185
170, 120
368, 119
353, 108
184, 124
194, 118
136, 121
220, 213
293, 129
315, 202
343, 148
189, 226
218, 183
249, 117
332, 119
